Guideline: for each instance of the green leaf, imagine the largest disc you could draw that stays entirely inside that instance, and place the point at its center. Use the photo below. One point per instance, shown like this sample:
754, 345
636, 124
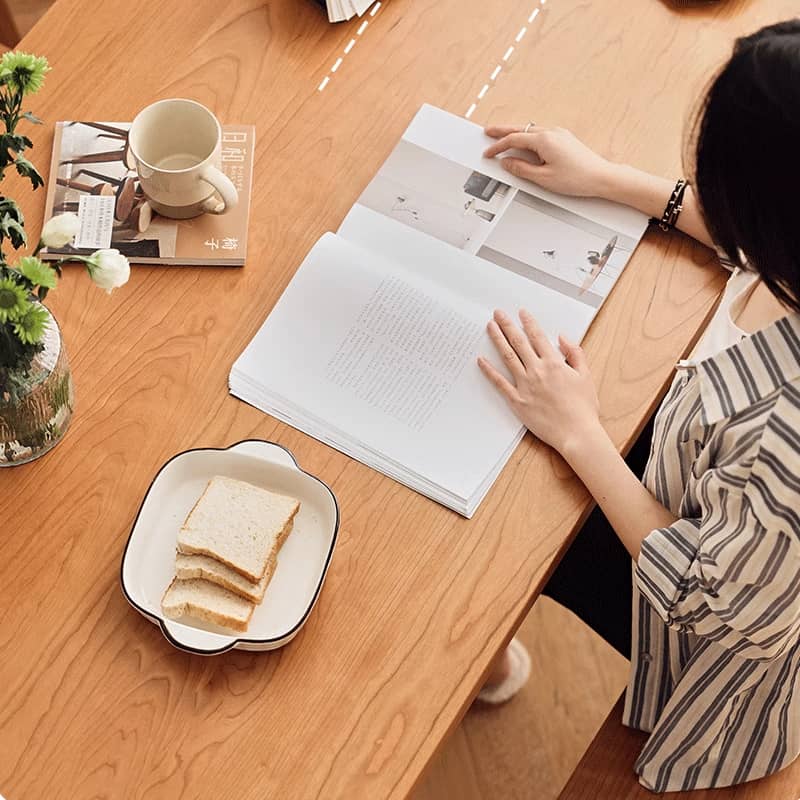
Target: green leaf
27, 170
32, 118
13, 141
8, 206
11, 229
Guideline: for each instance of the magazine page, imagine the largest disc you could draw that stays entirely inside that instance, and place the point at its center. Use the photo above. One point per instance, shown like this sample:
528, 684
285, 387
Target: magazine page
468, 278
436, 182
376, 360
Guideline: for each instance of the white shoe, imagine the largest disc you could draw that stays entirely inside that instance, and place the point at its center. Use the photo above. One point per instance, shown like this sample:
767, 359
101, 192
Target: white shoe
518, 676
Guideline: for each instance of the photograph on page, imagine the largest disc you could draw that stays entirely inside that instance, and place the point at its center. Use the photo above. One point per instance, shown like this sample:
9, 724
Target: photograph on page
481, 214
432, 194
557, 248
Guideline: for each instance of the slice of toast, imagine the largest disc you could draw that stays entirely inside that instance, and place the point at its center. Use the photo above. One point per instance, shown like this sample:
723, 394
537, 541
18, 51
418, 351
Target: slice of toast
207, 601
239, 524
209, 569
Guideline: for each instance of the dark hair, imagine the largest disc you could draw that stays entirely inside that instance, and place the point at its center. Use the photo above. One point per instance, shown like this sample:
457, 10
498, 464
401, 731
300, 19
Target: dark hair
747, 157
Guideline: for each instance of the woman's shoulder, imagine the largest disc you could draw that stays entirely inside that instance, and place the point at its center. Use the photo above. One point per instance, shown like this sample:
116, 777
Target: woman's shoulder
785, 411
773, 486
774, 420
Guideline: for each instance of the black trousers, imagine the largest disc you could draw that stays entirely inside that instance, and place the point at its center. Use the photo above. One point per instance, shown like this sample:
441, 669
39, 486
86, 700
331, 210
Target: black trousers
593, 579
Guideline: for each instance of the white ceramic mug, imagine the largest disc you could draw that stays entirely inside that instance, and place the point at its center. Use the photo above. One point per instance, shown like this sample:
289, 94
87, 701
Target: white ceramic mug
176, 145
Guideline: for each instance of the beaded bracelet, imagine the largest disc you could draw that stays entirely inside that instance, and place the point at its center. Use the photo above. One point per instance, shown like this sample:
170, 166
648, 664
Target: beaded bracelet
674, 206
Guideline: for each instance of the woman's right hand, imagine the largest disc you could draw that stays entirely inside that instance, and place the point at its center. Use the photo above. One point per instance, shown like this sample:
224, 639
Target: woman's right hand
561, 162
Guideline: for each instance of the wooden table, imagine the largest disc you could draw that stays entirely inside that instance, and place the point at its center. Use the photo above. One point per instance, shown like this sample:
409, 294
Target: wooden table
94, 702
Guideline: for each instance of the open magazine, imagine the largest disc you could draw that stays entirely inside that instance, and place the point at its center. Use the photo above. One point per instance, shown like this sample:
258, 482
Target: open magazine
372, 347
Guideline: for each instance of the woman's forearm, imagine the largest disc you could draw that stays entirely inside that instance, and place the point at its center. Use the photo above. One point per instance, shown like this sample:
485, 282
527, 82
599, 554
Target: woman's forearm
566, 165
632, 511
649, 194
629, 507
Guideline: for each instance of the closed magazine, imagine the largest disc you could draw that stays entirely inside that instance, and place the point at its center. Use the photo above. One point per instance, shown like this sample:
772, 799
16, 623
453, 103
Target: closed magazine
92, 174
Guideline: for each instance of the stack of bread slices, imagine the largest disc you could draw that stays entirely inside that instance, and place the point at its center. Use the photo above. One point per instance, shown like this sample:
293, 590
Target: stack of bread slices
227, 552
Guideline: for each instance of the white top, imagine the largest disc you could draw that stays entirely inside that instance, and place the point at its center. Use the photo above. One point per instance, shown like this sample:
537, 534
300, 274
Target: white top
722, 332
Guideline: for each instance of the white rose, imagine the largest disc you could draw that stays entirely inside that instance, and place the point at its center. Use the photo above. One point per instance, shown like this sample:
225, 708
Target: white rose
60, 230
108, 269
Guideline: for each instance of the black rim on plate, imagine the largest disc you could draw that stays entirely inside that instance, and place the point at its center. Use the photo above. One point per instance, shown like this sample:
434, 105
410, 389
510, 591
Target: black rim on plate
237, 640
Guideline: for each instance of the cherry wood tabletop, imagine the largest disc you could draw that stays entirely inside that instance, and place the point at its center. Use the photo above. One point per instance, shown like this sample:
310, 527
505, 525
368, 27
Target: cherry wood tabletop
94, 702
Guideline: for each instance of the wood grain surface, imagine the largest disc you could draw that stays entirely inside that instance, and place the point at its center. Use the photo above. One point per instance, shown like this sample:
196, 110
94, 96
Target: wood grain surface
93, 701
528, 748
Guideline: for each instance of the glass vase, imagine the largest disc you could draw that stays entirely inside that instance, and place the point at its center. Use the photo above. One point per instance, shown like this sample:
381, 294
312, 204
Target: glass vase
36, 404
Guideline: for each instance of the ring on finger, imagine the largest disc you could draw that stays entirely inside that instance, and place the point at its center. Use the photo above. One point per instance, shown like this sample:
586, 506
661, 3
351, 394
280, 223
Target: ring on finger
529, 126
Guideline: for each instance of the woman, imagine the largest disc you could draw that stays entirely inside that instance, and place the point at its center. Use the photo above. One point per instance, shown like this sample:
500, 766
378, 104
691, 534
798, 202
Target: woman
713, 528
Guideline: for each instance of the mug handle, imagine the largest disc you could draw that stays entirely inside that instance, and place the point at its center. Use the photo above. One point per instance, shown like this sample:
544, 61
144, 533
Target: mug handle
225, 189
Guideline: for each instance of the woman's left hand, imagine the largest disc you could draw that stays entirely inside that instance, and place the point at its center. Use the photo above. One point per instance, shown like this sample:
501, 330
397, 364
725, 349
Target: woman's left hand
555, 399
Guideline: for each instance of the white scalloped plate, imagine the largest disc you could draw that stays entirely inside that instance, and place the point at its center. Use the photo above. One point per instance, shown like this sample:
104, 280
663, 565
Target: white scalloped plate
148, 564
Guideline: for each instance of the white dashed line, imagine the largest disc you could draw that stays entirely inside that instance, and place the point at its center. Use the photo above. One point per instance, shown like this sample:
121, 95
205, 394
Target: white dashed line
350, 45
493, 77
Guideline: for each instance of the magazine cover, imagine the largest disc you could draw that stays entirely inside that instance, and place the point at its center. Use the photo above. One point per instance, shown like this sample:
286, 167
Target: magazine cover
93, 175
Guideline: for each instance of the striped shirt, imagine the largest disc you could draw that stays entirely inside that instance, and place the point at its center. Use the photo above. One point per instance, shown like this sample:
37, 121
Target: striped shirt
715, 667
